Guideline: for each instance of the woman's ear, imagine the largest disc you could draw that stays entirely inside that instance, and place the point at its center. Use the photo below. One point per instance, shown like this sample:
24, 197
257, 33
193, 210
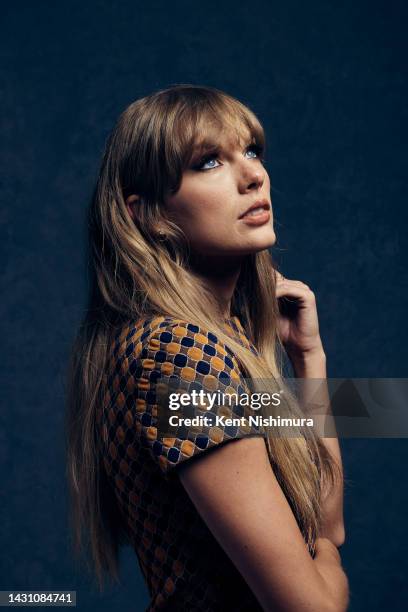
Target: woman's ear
131, 201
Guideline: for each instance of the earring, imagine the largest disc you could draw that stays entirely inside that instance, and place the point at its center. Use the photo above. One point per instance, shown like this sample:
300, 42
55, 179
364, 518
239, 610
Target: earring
162, 234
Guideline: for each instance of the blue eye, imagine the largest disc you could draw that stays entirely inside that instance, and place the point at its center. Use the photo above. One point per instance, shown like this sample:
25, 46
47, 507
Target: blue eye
257, 149
204, 162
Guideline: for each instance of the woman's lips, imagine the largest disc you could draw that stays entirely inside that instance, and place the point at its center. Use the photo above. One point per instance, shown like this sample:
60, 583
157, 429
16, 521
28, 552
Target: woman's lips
256, 217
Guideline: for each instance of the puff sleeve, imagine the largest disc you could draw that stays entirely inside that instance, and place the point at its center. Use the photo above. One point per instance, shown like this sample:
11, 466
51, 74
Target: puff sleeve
178, 357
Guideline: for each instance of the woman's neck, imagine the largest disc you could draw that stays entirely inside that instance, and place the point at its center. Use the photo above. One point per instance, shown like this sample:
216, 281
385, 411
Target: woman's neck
220, 274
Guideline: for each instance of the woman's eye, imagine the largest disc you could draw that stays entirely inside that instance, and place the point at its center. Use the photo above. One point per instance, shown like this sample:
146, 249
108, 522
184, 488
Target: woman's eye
255, 149
207, 161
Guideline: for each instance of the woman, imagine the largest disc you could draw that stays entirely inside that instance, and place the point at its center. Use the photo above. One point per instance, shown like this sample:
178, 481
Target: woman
184, 292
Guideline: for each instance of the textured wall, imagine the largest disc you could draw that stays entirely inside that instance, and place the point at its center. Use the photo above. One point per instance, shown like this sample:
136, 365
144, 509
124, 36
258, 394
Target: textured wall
328, 81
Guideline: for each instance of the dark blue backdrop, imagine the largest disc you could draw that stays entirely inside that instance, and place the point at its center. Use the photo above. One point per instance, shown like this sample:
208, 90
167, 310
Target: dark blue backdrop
328, 81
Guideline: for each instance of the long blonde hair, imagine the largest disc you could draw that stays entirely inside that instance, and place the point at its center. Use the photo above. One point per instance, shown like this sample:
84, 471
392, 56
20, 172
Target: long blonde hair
133, 272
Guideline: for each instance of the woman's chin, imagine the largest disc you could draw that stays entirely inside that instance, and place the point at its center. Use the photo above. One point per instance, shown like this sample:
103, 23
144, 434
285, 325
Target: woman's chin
263, 240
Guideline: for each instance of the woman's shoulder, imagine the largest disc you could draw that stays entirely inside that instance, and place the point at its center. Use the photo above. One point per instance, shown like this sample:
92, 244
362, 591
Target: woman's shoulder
142, 330
160, 339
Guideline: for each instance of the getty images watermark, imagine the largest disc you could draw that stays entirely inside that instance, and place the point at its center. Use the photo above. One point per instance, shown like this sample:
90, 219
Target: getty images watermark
331, 407
208, 401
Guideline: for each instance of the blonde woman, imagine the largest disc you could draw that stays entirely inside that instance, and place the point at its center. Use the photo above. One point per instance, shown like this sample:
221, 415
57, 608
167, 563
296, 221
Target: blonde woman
184, 291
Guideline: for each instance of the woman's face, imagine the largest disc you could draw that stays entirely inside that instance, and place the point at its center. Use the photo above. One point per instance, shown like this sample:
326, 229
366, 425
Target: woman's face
214, 195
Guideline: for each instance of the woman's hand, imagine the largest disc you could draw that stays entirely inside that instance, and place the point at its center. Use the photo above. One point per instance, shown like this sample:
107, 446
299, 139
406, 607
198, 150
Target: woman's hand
298, 325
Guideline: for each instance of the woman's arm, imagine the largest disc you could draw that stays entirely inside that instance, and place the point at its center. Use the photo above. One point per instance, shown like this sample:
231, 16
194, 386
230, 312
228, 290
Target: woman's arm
313, 366
238, 496
298, 328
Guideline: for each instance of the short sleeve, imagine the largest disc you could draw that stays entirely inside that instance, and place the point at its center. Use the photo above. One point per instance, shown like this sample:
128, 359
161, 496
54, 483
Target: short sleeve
188, 394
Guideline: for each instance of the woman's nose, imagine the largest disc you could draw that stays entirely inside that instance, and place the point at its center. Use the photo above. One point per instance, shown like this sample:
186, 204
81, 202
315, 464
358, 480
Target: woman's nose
252, 175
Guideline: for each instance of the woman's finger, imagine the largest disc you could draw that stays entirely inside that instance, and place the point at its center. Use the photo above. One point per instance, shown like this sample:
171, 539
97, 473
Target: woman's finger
293, 290
282, 279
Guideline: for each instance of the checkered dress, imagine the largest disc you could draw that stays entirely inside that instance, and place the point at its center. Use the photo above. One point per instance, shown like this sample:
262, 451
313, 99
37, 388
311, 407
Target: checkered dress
183, 565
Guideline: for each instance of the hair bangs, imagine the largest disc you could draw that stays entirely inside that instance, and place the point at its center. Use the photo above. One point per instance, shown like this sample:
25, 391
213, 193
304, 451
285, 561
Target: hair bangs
221, 119
199, 122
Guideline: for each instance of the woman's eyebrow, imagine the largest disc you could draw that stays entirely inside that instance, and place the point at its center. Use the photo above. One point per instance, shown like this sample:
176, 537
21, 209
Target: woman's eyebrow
206, 145
209, 145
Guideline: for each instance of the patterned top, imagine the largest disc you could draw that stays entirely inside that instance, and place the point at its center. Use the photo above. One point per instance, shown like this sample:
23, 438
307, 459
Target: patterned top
183, 565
